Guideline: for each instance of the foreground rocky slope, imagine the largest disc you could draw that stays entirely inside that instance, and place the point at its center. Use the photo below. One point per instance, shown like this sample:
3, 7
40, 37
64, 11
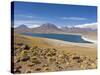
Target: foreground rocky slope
28, 59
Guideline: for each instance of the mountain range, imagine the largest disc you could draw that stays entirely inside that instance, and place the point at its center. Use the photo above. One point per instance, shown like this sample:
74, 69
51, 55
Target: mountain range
52, 28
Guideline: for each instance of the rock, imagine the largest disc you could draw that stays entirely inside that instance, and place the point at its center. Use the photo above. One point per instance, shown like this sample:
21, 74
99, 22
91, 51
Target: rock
46, 69
30, 65
18, 60
28, 72
45, 65
51, 59
25, 58
25, 47
60, 67
38, 69
76, 57
17, 71
17, 66
35, 60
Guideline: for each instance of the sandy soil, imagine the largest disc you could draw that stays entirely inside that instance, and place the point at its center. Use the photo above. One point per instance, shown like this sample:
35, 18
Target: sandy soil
89, 49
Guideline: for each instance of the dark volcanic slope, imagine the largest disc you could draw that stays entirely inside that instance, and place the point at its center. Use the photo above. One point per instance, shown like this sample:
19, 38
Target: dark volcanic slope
22, 29
46, 28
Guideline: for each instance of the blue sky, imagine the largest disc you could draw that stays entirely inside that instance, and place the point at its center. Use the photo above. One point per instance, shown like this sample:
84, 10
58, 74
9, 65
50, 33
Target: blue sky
61, 15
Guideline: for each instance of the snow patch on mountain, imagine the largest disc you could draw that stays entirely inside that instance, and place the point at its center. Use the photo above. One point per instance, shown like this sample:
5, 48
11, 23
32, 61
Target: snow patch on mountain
34, 26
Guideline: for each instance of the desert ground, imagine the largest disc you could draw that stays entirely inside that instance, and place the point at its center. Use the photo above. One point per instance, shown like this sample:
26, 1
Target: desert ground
33, 54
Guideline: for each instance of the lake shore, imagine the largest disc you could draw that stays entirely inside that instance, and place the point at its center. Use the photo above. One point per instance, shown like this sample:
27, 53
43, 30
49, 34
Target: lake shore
89, 40
56, 42
88, 49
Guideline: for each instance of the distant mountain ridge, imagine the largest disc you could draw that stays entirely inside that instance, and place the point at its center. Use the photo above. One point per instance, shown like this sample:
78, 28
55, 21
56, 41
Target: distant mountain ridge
22, 29
52, 28
46, 28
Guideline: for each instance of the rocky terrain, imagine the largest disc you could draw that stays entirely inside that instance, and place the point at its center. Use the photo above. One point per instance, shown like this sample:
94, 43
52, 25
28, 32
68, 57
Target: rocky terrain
33, 58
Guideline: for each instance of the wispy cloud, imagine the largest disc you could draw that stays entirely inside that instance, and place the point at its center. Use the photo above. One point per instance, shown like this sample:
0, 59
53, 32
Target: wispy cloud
73, 18
88, 25
26, 16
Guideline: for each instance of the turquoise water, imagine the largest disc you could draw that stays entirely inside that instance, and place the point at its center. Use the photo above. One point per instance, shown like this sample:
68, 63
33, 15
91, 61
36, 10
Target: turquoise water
64, 37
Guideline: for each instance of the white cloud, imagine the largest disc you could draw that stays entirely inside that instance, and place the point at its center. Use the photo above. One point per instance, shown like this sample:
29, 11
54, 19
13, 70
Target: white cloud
69, 26
89, 25
27, 16
59, 27
34, 26
73, 18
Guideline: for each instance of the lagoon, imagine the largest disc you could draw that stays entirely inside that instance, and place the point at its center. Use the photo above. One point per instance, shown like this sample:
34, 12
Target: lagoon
63, 37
